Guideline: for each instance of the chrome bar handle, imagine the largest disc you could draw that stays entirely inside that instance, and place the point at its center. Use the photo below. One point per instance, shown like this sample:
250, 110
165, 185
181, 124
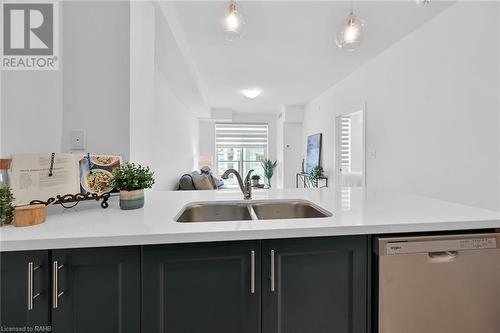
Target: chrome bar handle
55, 284
252, 272
272, 271
31, 285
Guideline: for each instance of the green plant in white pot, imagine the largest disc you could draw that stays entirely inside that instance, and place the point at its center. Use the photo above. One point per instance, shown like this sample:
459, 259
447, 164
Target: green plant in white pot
315, 174
131, 179
268, 167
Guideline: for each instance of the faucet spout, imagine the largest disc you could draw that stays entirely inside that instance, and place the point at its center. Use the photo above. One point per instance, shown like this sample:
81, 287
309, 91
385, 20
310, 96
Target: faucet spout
245, 186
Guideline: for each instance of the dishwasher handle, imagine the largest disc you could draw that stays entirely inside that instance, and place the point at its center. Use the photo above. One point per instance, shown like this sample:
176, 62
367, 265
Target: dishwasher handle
442, 256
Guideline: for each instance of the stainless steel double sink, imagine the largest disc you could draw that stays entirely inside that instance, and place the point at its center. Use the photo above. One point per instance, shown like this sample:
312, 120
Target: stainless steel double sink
250, 210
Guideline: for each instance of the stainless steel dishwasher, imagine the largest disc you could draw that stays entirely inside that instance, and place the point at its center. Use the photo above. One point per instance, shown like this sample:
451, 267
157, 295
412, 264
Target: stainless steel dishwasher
439, 284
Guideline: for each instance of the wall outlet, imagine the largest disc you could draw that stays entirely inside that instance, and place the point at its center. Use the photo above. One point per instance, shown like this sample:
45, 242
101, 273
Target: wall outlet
77, 139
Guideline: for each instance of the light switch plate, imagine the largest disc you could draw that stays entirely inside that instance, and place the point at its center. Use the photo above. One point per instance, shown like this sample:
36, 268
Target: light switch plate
77, 137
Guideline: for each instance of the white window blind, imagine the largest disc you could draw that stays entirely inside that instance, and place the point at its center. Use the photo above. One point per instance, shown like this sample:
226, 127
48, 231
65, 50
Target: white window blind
241, 147
241, 135
345, 144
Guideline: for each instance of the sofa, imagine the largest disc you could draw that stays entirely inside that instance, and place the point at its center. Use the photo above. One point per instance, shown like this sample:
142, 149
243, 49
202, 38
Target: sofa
199, 181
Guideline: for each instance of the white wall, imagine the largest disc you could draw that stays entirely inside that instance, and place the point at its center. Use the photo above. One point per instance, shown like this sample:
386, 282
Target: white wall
292, 157
31, 110
207, 138
115, 59
176, 138
96, 75
289, 145
1, 108
90, 90
142, 81
498, 87
280, 151
175, 144
433, 109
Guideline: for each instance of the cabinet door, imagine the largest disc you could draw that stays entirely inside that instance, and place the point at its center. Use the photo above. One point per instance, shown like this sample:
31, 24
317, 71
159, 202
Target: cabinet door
199, 288
99, 290
24, 279
315, 285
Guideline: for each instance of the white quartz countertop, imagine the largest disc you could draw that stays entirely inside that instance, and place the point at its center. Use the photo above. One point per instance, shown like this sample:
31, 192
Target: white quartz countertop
355, 211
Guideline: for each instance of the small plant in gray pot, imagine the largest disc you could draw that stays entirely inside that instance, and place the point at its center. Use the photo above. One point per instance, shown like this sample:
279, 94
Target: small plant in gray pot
131, 179
255, 180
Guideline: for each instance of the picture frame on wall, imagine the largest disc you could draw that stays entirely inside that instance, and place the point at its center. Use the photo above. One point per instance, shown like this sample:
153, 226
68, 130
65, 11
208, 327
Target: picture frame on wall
313, 151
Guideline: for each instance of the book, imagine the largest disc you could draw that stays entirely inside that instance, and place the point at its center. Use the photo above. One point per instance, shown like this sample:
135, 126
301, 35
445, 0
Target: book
96, 172
40, 177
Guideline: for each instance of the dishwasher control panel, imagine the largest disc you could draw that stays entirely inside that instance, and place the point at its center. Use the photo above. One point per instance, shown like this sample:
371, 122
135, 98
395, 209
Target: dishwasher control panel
440, 245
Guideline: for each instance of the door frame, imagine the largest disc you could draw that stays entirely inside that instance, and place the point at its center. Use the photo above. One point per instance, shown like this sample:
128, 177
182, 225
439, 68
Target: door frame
337, 139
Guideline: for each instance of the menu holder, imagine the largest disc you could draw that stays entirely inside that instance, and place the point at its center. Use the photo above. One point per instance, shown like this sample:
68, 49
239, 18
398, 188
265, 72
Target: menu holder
83, 178
71, 200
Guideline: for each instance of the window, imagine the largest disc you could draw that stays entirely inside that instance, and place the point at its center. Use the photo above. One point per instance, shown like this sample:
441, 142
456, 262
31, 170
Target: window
241, 147
345, 144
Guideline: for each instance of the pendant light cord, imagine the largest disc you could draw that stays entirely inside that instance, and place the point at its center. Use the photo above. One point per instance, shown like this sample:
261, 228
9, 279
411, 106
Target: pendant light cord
352, 10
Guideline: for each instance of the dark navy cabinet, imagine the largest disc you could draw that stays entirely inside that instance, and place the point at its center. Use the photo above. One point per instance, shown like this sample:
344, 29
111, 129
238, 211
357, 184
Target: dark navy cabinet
95, 290
315, 285
303, 285
24, 293
199, 288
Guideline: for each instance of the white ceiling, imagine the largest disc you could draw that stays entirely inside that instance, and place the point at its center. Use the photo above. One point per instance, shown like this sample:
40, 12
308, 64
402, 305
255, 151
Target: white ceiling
287, 48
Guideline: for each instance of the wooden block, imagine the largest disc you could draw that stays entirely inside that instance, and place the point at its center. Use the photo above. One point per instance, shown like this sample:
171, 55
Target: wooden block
26, 216
5, 163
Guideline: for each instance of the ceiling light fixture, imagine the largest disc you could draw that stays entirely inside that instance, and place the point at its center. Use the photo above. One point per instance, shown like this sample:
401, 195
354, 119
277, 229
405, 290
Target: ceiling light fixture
233, 22
351, 32
251, 92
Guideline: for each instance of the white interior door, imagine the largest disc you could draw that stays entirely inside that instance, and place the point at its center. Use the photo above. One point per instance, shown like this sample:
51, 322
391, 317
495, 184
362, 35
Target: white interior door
350, 149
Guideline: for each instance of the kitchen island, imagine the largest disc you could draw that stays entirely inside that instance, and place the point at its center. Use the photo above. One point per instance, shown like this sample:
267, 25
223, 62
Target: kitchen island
89, 269
355, 211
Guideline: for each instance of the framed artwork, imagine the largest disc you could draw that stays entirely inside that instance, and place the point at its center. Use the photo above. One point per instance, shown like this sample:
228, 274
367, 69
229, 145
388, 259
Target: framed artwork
313, 151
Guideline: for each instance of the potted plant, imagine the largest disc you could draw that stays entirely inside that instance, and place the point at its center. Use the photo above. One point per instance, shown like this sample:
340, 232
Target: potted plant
255, 180
131, 179
268, 167
315, 174
6, 205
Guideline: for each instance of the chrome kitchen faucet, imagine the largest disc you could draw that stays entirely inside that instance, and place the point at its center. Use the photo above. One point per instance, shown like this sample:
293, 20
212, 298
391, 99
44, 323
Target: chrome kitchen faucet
245, 186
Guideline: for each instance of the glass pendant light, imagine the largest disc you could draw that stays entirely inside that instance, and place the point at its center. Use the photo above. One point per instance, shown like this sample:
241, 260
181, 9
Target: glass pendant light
233, 22
422, 3
351, 32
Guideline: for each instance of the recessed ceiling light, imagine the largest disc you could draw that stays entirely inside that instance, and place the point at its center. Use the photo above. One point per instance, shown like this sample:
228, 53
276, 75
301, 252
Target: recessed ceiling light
251, 92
